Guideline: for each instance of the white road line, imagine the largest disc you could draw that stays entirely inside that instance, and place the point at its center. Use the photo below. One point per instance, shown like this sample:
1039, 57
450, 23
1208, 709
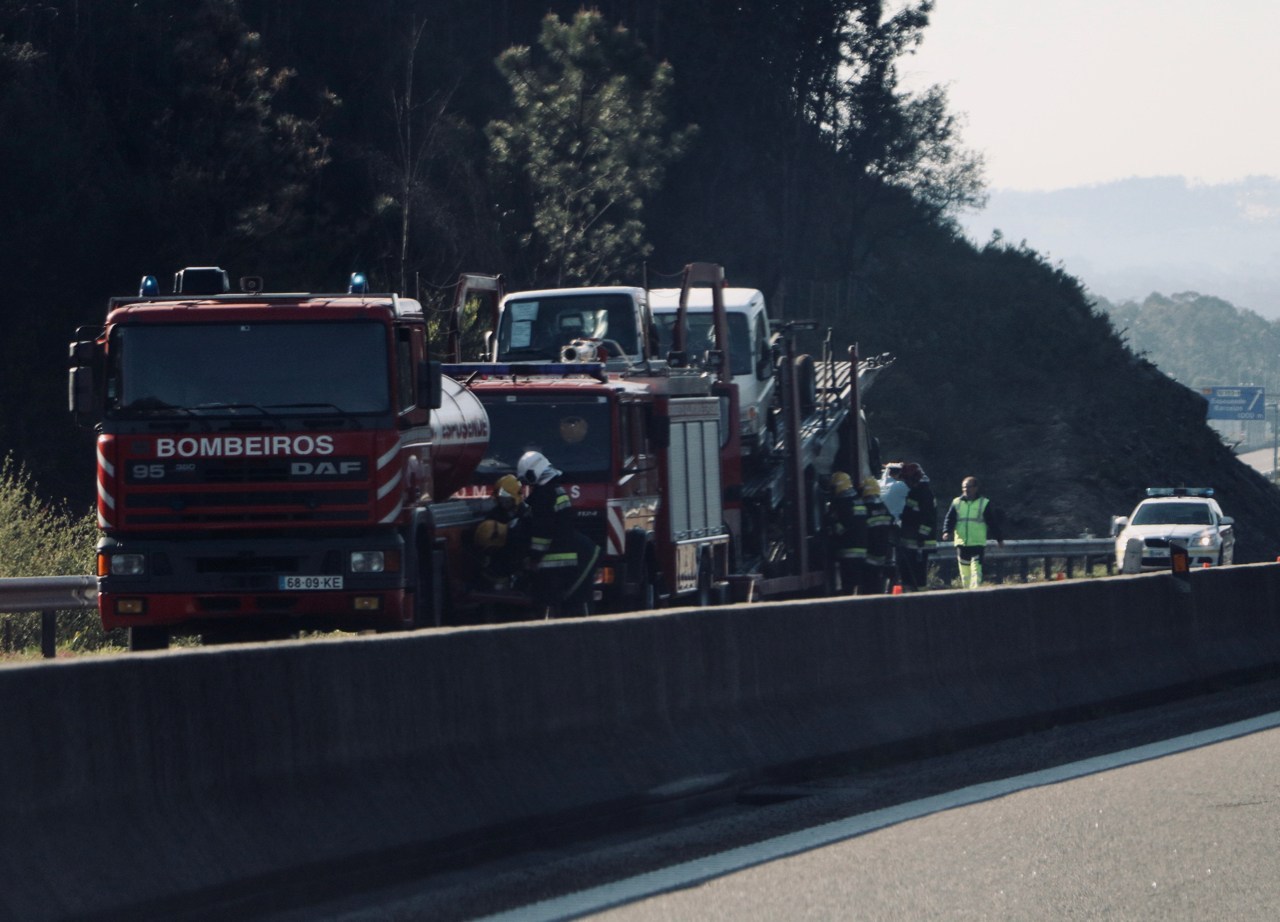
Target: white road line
677, 877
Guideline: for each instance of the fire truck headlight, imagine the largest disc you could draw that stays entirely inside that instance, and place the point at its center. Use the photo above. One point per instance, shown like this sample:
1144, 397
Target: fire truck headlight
368, 562
127, 564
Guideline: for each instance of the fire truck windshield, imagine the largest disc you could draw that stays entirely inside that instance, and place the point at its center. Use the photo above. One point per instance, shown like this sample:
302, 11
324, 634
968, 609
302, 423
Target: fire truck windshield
573, 432
701, 337
266, 368
535, 329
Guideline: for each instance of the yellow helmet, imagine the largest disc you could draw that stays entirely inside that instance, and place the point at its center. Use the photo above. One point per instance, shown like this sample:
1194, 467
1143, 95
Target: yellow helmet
841, 482
507, 492
491, 534
870, 487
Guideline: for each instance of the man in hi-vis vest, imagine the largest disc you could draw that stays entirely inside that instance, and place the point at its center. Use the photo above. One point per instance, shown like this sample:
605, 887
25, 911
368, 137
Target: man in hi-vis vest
972, 521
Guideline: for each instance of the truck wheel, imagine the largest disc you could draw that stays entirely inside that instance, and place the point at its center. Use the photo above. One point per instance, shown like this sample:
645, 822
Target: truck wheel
704, 589
650, 597
706, 582
148, 638
428, 593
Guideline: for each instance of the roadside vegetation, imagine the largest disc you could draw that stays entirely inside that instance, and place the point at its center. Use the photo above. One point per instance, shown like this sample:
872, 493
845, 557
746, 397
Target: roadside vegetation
40, 539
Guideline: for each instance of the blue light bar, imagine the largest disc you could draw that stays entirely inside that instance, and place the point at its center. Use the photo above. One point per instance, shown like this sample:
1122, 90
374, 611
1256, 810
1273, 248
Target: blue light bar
1179, 491
359, 285
148, 287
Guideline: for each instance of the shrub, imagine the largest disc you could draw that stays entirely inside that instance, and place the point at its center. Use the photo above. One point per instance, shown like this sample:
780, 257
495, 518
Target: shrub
39, 539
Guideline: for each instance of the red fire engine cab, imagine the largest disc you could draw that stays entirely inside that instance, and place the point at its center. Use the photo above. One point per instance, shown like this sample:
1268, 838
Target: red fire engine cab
271, 462
640, 452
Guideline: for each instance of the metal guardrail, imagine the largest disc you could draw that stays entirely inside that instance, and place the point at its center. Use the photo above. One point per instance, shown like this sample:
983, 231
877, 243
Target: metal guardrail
1069, 551
48, 595
52, 594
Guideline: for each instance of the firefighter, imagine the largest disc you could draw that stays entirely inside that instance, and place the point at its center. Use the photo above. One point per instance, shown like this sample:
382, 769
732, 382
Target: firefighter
563, 560
916, 536
879, 560
847, 529
893, 491
503, 535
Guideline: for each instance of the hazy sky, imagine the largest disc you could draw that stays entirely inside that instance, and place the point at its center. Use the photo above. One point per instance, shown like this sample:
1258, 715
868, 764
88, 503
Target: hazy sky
1061, 93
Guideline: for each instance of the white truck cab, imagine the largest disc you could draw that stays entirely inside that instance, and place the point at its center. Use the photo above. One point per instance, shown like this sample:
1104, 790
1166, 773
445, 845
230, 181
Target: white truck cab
750, 353
573, 324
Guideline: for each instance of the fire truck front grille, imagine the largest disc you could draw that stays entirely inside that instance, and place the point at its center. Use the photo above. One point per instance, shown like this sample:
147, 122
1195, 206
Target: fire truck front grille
247, 565
260, 472
195, 507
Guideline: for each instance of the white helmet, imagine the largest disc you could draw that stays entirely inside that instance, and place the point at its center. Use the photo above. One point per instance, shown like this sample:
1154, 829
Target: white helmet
534, 467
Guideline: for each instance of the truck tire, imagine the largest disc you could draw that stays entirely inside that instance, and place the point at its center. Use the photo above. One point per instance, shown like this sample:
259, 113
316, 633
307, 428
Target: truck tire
705, 596
429, 602
641, 574
708, 593
428, 599
148, 638
650, 597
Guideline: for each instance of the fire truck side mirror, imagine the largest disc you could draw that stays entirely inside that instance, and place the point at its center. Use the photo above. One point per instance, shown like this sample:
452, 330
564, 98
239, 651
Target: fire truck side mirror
81, 399
80, 396
429, 395
83, 352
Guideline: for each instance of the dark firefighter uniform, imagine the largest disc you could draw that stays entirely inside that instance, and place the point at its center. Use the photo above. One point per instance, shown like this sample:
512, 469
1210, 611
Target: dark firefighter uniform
860, 534
917, 538
563, 559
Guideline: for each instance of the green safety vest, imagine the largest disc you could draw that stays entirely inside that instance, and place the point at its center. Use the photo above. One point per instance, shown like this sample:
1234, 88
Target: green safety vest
971, 526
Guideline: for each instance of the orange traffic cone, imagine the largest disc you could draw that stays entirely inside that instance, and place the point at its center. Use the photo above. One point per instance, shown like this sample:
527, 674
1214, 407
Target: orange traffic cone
897, 588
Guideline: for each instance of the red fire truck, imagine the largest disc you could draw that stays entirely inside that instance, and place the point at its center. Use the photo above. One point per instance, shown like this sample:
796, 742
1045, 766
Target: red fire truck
271, 462
651, 448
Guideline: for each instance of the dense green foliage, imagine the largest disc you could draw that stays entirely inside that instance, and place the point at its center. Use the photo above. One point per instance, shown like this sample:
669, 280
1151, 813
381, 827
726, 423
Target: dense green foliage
37, 539
587, 138
413, 140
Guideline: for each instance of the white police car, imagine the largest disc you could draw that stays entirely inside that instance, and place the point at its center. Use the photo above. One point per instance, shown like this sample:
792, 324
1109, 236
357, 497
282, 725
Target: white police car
1186, 516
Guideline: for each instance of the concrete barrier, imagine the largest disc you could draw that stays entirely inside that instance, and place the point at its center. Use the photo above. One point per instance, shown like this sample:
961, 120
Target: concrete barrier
133, 785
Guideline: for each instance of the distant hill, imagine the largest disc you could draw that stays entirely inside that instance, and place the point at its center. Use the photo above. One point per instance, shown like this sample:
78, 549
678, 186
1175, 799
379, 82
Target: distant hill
1125, 240
1199, 339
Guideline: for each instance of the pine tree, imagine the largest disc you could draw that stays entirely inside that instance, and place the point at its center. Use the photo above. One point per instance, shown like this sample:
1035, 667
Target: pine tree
589, 141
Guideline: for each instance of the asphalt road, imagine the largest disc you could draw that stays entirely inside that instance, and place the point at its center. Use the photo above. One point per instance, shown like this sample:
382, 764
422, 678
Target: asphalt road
1261, 460
1184, 834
